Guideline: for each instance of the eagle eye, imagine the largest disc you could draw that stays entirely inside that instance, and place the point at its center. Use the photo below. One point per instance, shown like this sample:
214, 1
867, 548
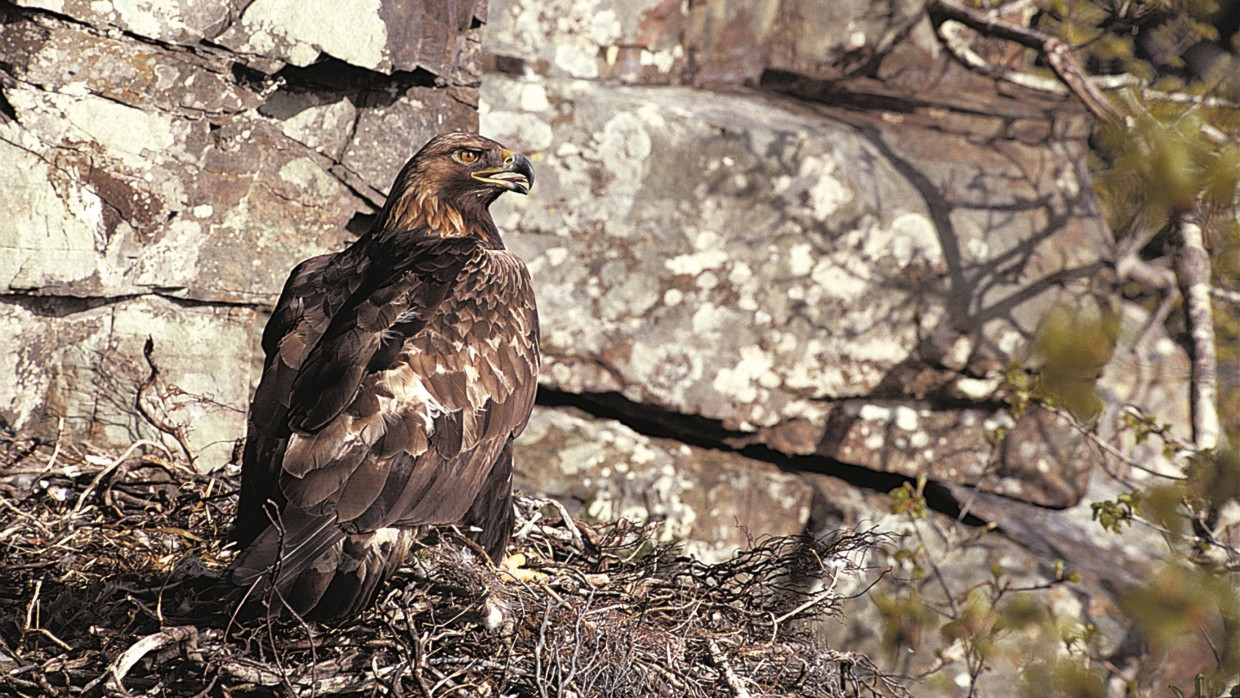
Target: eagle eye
467, 156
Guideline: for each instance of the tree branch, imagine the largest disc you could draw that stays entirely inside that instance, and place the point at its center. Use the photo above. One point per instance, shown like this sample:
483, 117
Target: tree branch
1192, 271
1192, 265
1056, 53
176, 432
1225, 295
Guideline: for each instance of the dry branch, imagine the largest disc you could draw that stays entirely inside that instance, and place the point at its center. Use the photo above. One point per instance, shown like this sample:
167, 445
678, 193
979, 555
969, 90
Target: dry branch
1056, 53
1192, 271
115, 675
178, 433
1191, 262
1225, 295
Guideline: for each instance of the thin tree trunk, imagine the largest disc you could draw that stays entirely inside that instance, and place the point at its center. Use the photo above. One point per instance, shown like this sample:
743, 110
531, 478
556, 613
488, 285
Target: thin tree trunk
1192, 271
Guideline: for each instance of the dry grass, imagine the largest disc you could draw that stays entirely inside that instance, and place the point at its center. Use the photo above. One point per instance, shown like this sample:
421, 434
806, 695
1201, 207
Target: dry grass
109, 585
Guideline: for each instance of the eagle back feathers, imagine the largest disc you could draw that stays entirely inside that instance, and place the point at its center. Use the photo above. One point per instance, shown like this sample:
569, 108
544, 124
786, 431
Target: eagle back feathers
388, 405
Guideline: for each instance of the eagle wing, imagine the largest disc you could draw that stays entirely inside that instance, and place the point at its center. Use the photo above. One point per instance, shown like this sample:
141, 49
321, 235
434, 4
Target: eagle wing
315, 289
389, 397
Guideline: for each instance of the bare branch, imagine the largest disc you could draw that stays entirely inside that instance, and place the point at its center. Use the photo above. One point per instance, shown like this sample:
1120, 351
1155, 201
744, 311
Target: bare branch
734, 681
1225, 295
1192, 271
1152, 276
1056, 53
106, 472
176, 432
115, 674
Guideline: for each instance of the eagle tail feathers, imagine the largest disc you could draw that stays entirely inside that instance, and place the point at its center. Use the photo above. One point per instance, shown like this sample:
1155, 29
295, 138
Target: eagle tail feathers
491, 512
330, 574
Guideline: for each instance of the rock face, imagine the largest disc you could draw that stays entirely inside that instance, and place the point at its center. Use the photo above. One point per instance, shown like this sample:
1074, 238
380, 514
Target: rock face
798, 232
166, 164
717, 501
816, 281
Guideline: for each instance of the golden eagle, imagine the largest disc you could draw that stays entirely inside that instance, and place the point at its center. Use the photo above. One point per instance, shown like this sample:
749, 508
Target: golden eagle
397, 374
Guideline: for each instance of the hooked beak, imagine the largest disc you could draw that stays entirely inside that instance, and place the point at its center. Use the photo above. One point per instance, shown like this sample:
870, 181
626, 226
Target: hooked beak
516, 174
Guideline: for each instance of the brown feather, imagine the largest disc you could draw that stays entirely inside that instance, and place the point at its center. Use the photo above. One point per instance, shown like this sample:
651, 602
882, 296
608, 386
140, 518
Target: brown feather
364, 485
321, 484
448, 435
308, 588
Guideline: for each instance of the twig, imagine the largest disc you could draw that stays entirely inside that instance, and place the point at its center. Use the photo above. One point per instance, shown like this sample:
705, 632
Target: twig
1131, 266
1192, 271
51, 463
1162, 431
1055, 52
176, 432
958, 44
33, 623
1225, 295
420, 663
250, 672
81, 500
568, 522
34, 602
814, 599
116, 671
573, 533
21, 514
1092, 435
734, 681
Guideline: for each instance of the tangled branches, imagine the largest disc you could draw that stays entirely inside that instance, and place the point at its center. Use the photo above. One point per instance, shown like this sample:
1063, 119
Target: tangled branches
110, 585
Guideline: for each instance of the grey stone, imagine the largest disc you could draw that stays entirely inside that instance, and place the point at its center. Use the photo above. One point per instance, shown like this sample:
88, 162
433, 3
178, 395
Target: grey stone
141, 201
380, 143
173, 21
165, 186
380, 35
706, 43
795, 277
81, 362
714, 501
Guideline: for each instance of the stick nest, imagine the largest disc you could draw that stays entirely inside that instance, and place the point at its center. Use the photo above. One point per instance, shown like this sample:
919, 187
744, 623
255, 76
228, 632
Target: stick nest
112, 583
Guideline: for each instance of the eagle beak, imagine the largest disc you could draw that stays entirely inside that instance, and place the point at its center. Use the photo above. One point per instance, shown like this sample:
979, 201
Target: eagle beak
516, 174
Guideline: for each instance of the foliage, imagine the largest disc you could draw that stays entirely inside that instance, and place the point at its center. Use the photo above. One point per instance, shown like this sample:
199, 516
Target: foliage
1072, 348
998, 621
1177, 152
1173, 156
1111, 513
1181, 600
1109, 33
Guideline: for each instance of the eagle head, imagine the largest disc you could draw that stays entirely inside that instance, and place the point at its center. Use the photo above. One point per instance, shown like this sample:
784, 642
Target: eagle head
452, 180
464, 164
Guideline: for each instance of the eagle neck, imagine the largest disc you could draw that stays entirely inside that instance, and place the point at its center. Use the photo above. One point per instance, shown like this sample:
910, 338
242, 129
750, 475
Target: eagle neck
486, 231
419, 210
